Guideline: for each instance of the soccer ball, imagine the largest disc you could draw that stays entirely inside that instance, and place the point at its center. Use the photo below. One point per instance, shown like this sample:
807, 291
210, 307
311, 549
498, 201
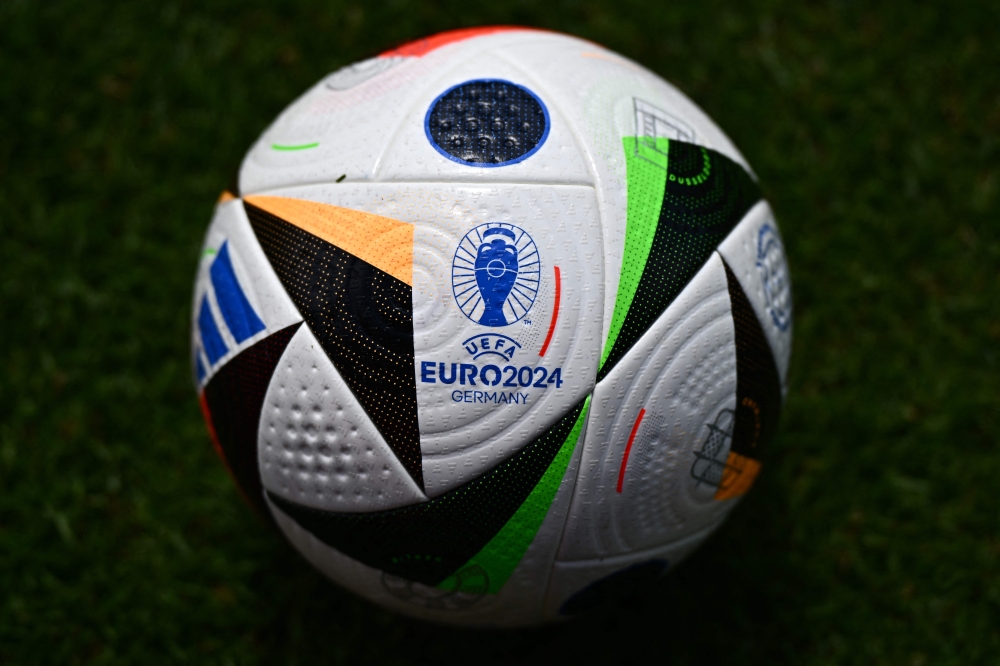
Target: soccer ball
491, 325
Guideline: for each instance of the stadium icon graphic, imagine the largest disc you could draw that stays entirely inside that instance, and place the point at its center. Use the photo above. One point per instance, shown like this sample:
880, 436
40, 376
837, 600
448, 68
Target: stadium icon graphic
710, 462
495, 273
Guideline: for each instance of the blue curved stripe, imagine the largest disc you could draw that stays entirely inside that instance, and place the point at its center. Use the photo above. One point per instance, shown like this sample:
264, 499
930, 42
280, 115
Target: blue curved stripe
211, 339
240, 317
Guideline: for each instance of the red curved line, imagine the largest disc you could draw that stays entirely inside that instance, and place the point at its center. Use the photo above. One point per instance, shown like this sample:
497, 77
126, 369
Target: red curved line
207, 414
628, 448
419, 47
555, 315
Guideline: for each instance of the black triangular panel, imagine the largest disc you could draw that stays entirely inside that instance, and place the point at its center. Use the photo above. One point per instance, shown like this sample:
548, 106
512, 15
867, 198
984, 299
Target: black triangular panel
233, 399
758, 388
705, 195
362, 317
427, 542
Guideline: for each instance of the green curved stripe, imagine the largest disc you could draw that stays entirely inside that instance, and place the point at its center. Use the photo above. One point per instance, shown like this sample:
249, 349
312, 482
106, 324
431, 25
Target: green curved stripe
646, 176
301, 146
501, 555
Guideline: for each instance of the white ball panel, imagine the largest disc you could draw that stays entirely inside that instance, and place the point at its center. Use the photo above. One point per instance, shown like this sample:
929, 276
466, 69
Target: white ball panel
461, 440
519, 603
411, 157
383, 102
569, 578
359, 578
756, 255
370, 98
604, 97
660, 501
317, 447
254, 273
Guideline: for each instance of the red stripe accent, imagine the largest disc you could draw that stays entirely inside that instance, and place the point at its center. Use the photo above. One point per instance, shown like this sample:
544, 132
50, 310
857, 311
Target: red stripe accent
628, 448
211, 433
555, 314
419, 47
207, 413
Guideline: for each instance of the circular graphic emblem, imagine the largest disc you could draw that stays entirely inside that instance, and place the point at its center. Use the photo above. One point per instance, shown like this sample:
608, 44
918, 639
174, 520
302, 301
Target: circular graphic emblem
487, 123
774, 275
494, 274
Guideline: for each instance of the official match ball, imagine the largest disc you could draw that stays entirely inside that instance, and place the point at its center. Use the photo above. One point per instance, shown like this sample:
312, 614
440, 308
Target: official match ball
492, 325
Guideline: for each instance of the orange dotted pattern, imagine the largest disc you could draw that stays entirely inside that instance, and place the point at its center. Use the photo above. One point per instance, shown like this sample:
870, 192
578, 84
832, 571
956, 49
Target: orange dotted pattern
362, 317
380, 241
758, 396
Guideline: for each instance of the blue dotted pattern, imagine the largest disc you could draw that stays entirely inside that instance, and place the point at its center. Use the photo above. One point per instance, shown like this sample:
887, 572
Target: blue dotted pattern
487, 123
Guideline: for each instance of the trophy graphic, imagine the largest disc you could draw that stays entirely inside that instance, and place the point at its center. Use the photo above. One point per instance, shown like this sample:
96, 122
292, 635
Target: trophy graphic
496, 271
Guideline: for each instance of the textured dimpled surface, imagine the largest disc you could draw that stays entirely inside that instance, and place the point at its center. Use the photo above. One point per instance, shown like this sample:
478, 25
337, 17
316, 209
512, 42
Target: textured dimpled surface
428, 542
362, 317
447, 498
234, 397
317, 447
488, 122
660, 502
705, 195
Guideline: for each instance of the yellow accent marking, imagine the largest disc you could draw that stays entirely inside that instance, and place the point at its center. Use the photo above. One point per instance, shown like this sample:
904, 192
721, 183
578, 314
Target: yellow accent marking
224, 197
384, 243
738, 476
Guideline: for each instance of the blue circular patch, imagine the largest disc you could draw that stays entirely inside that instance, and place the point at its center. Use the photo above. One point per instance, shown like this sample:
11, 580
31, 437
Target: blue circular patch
495, 273
487, 123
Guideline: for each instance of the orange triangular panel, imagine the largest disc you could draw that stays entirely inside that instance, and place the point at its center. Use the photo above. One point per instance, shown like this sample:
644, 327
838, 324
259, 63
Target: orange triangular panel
384, 243
739, 475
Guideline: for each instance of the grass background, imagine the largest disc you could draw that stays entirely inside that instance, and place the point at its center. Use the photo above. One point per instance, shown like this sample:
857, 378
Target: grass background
872, 538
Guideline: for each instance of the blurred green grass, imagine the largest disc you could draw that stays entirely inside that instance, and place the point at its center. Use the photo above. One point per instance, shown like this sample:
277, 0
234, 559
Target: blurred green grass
872, 538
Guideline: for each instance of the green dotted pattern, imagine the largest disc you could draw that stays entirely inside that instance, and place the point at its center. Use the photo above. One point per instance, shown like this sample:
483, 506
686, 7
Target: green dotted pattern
703, 195
646, 172
503, 553
434, 540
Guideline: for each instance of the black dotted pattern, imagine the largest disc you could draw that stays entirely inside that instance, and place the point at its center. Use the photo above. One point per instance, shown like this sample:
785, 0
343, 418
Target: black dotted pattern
235, 396
758, 388
363, 318
486, 122
705, 196
428, 542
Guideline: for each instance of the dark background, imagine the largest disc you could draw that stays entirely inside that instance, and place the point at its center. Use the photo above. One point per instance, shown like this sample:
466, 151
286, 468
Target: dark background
873, 536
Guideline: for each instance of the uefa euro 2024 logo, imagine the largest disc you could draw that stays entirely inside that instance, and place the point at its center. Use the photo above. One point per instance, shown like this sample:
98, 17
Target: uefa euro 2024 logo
495, 273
